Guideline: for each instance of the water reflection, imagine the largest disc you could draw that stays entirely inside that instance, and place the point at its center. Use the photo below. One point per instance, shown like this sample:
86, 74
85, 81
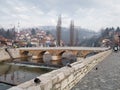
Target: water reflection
4, 86
17, 74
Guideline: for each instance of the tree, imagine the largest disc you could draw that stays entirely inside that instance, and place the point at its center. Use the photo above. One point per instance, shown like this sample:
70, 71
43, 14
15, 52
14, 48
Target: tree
2, 32
58, 32
48, 32
13, 33
72, 33
8, 34
33, 32
117, 30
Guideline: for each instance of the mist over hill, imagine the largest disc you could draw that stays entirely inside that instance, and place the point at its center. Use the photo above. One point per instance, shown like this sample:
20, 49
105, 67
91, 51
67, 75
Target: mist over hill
80, 33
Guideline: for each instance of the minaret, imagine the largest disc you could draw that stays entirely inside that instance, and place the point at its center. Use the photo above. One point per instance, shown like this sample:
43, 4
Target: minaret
72, 33
58, 32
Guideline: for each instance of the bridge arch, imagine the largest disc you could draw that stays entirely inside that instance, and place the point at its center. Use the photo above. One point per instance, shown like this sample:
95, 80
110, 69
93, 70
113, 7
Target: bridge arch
90, 54
25, 52
61, 53
46, 56
68, 57
85, 53
79, 54
42, 53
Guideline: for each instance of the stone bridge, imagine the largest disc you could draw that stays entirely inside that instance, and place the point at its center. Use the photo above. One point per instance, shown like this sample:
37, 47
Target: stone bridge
66, 77
56, 53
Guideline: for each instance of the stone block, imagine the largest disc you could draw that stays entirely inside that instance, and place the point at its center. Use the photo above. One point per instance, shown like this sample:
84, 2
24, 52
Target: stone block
64, 83
71, 78
60, 76
15, 88
54, 79
27, 84
66, 71
57, 86
48, 85
34, 88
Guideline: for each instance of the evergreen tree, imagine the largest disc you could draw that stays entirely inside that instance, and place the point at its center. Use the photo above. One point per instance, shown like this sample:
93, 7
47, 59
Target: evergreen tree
117, 30
33, 32
72, 33
58, 33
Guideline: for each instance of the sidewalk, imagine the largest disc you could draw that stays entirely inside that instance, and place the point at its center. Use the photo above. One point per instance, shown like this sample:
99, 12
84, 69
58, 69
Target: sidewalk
104, 76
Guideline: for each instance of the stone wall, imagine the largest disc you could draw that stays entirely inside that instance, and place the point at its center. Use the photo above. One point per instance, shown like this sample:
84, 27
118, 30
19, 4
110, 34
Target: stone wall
4, 55
15, 53
64, 78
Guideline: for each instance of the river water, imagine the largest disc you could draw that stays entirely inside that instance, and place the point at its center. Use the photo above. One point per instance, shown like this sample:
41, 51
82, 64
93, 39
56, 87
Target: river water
15, 74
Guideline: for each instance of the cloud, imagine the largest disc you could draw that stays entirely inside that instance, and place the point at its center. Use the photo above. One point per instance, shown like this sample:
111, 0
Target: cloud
21, 9
22, 16
92, 14
52, 13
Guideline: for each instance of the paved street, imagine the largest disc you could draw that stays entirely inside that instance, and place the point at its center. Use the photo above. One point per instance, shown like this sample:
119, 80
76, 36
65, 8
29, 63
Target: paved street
104, 76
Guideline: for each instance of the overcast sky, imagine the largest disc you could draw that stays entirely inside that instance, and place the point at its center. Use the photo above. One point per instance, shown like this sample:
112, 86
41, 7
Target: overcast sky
91, 14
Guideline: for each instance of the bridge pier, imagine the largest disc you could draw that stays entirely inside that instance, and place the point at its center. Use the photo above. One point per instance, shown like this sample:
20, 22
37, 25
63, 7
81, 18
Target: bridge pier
79, 58
56, 60
35, 57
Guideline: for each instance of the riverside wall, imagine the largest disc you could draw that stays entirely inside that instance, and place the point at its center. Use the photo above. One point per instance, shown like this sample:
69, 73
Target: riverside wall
4, 55
15, 53
66, 77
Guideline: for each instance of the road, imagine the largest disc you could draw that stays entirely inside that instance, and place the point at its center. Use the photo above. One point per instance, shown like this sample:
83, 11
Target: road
104, 76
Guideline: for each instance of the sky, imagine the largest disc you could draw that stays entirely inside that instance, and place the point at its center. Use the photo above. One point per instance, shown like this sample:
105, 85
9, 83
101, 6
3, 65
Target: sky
90, 14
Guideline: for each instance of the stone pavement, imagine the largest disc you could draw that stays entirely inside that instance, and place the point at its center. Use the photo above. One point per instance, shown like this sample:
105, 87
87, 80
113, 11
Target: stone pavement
104, 76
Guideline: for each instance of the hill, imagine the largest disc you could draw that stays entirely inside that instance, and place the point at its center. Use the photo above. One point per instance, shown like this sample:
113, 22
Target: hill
80, 33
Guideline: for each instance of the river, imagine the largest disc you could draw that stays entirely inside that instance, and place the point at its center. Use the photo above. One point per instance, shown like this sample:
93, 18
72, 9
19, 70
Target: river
14, 74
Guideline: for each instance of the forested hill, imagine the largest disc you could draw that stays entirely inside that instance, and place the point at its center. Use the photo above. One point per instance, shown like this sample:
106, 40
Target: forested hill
80, 33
